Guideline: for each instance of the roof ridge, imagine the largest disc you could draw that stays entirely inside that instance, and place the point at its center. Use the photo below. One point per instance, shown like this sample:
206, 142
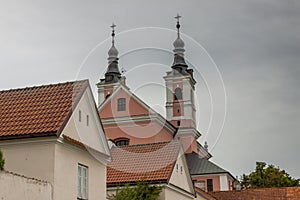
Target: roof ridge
43, 85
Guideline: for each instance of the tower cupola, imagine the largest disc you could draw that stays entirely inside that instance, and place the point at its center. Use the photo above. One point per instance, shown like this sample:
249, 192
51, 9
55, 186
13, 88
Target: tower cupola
179, 61
112, 74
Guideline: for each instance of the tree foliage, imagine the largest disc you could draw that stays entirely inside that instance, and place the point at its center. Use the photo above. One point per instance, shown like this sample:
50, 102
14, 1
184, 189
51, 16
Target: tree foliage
268, 176
142, 191
2, 161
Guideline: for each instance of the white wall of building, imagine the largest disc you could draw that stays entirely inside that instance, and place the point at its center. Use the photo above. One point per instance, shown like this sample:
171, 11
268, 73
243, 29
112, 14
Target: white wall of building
15, 187
30, 157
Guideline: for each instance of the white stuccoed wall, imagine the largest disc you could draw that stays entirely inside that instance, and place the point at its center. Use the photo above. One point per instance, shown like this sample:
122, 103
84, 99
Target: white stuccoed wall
13, 187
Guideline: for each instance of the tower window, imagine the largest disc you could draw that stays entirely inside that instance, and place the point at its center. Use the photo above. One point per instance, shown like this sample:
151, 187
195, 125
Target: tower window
121, 104
178, 123
178, 94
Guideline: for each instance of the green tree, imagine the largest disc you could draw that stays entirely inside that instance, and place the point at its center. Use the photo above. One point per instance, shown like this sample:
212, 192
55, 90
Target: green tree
142, 191
2, 161
268, 176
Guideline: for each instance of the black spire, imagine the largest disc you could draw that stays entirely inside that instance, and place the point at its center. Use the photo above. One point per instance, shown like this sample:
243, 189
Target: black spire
112, 74
179, 61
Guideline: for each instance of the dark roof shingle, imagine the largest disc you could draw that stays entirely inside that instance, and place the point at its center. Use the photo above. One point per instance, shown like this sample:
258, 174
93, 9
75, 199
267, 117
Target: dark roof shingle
198, 165
39, 110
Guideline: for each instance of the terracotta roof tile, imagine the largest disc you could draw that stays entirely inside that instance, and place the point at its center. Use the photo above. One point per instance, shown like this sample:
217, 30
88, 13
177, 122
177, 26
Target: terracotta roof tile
288, 193
148, 162
39, 110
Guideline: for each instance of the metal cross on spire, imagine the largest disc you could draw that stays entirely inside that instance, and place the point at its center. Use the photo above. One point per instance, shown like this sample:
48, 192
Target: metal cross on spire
113, 33
178, 25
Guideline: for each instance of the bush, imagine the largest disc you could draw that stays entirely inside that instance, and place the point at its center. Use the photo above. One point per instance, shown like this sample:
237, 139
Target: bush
2, 161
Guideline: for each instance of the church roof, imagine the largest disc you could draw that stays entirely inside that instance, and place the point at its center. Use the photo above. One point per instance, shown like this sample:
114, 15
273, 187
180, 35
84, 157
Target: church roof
147, 162
200, 166
39, 110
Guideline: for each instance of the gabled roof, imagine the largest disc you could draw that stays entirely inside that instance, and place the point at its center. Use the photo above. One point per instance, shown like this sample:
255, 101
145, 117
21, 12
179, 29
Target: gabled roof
200, 166
38, 111
148, 162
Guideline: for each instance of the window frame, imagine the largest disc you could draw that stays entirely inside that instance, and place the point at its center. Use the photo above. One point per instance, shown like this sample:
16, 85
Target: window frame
82, 181
118, 140
209, 185
121, 104
178, 94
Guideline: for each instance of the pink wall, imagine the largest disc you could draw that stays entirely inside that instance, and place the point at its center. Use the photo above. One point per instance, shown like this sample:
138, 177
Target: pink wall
215, 178
138, 133
132, 107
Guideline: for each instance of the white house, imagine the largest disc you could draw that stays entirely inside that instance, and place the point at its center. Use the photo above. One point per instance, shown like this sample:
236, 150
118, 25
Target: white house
53, 133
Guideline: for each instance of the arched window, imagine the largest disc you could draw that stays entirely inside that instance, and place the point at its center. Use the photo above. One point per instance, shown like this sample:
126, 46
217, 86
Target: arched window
178, 94
121, 142
121, 104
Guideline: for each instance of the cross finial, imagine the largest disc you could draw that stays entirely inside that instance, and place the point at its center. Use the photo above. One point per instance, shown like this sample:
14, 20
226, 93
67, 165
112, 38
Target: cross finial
113, 32
177, 25
177, 17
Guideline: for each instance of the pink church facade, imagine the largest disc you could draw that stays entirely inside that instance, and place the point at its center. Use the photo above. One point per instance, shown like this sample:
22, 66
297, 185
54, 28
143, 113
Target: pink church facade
127, 120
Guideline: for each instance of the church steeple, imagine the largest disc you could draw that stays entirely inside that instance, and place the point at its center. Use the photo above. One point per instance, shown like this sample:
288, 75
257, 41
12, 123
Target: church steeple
179, 61
112, 74
180, 89
113, 77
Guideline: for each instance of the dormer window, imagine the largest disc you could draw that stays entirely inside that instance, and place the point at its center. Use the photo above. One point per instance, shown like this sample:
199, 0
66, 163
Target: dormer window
121, 104
178, 94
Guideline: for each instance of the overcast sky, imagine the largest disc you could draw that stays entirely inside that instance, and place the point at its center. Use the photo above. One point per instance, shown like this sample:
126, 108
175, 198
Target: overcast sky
254, 44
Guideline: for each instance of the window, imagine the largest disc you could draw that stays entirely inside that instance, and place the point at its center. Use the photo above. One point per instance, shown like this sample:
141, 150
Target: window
178, 94
180, 169
79, 115
209, 185
122, 142
121, 104
82, 182
87, 120
176, 167
178, 123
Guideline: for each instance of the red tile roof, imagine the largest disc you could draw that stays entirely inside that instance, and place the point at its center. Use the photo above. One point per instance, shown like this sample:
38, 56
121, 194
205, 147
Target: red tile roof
289, 193
148, 162
204, 194
38, 111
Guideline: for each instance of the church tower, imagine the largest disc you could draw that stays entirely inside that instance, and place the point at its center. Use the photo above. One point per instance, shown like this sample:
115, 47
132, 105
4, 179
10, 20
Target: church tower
180, 89
113, 77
